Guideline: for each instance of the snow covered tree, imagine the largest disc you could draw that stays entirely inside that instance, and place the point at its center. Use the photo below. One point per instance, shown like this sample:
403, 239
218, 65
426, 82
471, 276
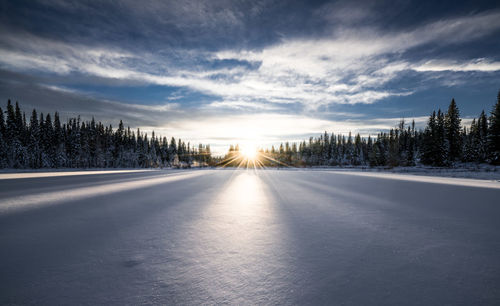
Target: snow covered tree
441, 142
434, 144
452, 130
2, 122
34, 141
58, 143
77, 143
172, 149
494, 133
428, 142
10, 123
3, 142
481, 144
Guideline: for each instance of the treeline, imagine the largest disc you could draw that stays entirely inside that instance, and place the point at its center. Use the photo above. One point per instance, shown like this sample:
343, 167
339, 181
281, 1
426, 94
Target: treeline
45, 142
443, 142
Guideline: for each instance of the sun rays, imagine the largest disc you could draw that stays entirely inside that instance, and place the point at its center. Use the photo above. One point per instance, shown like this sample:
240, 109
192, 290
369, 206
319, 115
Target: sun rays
249, 152
249, 156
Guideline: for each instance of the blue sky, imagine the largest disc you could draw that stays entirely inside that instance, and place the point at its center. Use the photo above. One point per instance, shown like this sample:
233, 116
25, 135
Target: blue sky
257, 72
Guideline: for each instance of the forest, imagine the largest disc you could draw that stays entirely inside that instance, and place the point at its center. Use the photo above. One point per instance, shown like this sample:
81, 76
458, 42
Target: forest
44, 142
444, 142
47, 143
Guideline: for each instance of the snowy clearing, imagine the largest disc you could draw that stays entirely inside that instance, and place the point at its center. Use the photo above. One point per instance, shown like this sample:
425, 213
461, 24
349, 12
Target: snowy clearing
13, 174
426, 179
480, 172
53, 197
249, 237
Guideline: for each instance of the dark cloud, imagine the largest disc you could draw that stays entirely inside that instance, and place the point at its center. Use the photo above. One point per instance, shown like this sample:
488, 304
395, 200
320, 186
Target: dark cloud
215, 24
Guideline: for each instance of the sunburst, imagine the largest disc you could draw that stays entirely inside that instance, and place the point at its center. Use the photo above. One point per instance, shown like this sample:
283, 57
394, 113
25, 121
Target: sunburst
249, 152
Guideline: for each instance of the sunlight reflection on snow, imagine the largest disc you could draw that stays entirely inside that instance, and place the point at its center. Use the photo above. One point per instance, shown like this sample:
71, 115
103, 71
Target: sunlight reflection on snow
21, 175
47, 198
238, 245
425, 179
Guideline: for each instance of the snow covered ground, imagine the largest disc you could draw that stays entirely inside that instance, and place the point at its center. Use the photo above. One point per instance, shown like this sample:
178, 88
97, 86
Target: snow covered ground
472, 171
249, 237
16, 174
480, 172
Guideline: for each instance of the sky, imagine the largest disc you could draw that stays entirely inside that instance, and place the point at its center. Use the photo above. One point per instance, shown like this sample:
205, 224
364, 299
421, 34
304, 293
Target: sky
254, 72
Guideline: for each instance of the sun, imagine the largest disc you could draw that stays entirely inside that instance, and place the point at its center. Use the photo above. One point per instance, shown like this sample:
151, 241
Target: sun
249, 152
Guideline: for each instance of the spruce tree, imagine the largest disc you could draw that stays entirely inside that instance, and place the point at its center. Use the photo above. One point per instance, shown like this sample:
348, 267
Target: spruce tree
441, 143
3, 143
393, 149
18, 121
173, 157
410, 156
494, 134
57, 142
452, 127
34, 141
2, 122
482, 137
373, 157
468, 144
428, 143
15, 156
10, 123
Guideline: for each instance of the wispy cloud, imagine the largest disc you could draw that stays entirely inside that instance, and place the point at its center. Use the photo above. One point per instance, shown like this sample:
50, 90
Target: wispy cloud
241, 105
281, 80
350, 67
480, 64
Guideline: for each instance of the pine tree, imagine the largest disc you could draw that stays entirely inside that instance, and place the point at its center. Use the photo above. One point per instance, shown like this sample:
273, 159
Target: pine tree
10, 123
47, 141
18, 121
393, 152
89, 144
428, 142
494, 134
16, 153
174, 158
373, 157
467, 144
482, 138
57, 143
358, 151
441, 142
410, 156
452, 127
34, 141
3, 142
2, 123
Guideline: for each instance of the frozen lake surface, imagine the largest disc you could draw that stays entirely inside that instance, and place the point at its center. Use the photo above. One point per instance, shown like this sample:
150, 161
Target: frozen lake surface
248, 237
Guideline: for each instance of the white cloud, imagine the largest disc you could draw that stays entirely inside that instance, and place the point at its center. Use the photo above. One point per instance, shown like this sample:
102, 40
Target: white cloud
30, 62
240, 104
349, 67
480, 64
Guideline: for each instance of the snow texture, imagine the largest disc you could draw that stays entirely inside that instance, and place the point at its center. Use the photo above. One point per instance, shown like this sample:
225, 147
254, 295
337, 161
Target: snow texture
249, 237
